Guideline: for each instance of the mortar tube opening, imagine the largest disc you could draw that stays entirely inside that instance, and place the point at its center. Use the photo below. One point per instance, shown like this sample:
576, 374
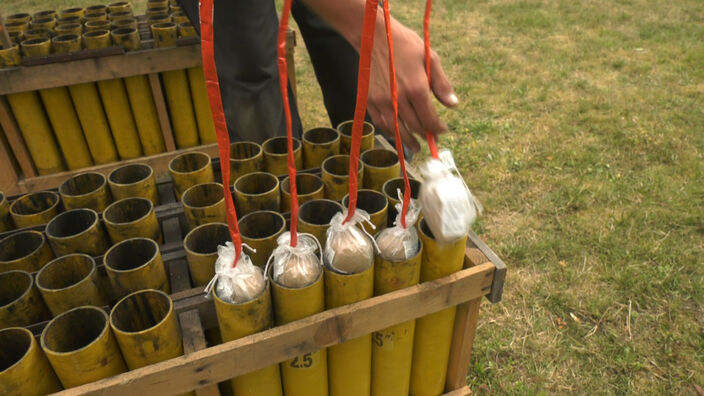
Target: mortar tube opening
345, 128
14, 285
256, 183
20, 245
131, 254
319, 211
71, 223
140, 311
203, 195
261, 224
190, 162
369, 200
279, 145
205, 239
305, 184
379, 158
74, 329
34, 203
320, 135
128, 210
14, 345
65, 271
130, 174
244, 150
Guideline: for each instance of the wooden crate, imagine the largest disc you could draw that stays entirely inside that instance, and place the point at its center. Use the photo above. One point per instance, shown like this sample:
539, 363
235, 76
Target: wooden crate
18, 174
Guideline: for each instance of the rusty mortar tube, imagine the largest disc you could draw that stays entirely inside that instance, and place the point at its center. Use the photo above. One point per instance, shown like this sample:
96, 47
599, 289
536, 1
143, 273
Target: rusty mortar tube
72, 12
158, 19
245, 157
92, 26
140, 96
19, 17
44, 14
136, 264
120, 6
132, 218
179, 17
204, 203
10, 57
34, 34
116, 103
190, 169
121, 15
24, 369
89, 109
81, 347
86, 190
433, 334
374, 203
260, 230
25, 251
240, 320
349, 363
201, 245
276, 155
68, 29
43, 22
68, 20
6, 223
97, 9
20, 302
392, 347
199, 92
16, 38
390, 190
95, 16
133, 180
319, 144
157, 11
178, 93
157, 4
380, 165
257, 191
345, 129
68, 282
17, 26
125, 23
174, 9
77, 231
308, 186
335, 175
35, 208
146, 328
314, 217
61, 112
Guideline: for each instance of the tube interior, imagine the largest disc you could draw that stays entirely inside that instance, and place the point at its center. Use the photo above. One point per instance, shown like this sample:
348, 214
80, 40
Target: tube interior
203, 195
319, 211
391, 187
279, 145
85, 183
130, 174
256, 183
190, 162
20, 245
131, 254
320, 135
205, 239
71, 223
140, 311
128, 210
244, 150
14, 344
369, 200
346, 128
305, 184
380, 158
74, 329
35, 203
13, 285
338, 165
261, 224
65, 271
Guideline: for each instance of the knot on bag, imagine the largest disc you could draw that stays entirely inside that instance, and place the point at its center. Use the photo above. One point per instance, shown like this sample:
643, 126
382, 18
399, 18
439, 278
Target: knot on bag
239, 283
400, 243
412, 213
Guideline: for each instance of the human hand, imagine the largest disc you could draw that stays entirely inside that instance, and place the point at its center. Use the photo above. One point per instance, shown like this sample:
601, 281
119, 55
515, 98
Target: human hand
416, 111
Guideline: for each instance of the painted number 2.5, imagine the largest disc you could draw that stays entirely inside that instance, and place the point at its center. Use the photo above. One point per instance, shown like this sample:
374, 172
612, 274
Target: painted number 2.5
304, 361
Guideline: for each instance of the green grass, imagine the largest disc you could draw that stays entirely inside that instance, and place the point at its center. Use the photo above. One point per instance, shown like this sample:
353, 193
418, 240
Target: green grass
581, 128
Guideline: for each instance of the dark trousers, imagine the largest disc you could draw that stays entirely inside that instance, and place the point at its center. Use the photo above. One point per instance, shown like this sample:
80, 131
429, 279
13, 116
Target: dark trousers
245, 56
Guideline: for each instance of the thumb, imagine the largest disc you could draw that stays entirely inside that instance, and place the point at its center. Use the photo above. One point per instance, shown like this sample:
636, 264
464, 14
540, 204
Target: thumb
439, 83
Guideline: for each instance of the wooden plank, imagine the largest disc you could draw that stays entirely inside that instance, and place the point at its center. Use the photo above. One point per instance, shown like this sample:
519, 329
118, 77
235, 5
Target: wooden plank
194, 340
72, 56
162, 111
462, 341
14, 138
134, 63
497, 288
463, 391
159, 162
322, 330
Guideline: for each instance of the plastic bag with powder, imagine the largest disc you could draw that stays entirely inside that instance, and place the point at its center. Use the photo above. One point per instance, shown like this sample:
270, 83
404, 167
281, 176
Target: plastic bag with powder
449, 207
349, 250
298, 266
237, 284
398, 243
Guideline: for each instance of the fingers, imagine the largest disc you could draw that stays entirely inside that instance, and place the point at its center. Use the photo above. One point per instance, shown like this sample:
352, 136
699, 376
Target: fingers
420, 100
408, 139
440, 84
408, 115
385, 123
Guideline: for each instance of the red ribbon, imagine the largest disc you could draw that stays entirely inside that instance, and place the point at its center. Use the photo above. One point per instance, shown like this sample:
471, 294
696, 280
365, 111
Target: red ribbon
429, 136
365, 59
283, 81
394, 98
211, 81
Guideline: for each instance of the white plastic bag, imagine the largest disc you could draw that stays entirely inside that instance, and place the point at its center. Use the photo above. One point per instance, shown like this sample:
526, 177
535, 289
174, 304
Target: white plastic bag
349, 249
237, 284
448, 205
398, 243
295, 267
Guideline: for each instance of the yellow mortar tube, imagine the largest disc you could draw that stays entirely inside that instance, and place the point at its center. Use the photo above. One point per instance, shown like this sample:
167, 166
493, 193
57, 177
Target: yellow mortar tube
178, 95
133, 180
146, 328
33, 124
141, 99
81, 347
132, 217
433, 338
86, 190
68, 282
260, 230
201, 246
116, 103
71, 12
24, 370
349, 363
203, 204
77, 231
307, 374
240, 320
392, 347
62, 115
136, 264
21, 303
201, 103
89, 108
25, 251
